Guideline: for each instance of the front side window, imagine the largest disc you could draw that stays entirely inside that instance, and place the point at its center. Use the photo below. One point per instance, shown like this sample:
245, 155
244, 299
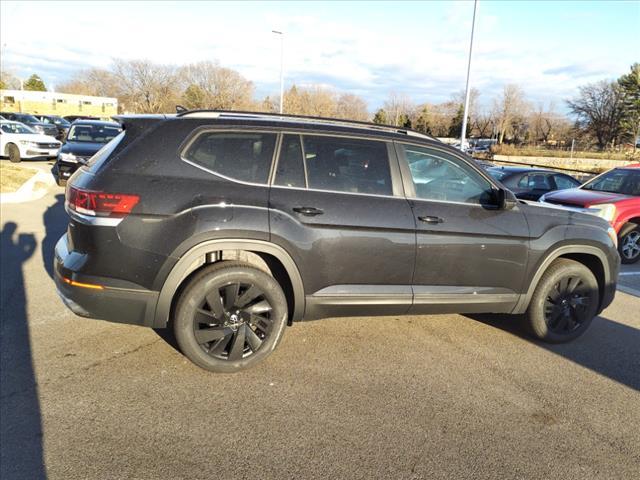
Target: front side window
535, 181
244, 156
347, 165
563, 182
438, 175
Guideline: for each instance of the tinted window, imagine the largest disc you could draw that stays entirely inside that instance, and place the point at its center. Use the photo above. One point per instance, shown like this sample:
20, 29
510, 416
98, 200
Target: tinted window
535, 181
241, 156
563, 182
347, 165
438, 175
93, 133
290, 171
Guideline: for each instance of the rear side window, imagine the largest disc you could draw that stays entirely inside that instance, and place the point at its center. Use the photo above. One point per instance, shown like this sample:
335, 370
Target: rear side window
347, 165
563, 182
243, 156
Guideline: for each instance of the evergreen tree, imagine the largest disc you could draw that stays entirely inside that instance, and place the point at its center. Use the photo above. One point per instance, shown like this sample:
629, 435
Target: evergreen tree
35, 84
380, 117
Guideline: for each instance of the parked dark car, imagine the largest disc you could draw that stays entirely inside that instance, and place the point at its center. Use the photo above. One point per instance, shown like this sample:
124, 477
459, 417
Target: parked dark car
73, 118
531, 183
60, 123
33, 122
229, 226
84, 139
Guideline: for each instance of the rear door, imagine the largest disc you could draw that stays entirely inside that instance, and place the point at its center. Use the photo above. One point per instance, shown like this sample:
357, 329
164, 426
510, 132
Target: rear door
336, 205
471, 255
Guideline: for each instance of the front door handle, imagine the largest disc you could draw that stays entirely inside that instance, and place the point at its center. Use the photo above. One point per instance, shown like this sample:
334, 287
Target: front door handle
308, 211
430, 219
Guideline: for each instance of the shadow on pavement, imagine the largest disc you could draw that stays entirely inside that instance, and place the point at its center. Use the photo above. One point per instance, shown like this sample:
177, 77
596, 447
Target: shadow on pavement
609, 348
55, 224
20, 428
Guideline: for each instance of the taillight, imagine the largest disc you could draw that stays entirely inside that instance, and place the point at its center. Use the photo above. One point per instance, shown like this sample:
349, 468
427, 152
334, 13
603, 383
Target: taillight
101, 204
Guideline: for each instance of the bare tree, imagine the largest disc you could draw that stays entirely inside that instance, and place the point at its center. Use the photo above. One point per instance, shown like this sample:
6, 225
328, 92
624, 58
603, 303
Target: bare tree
95, 81
509, 111
8, 81
399, 107
146, 87
483, 124
599, 111
351, 107
208, 85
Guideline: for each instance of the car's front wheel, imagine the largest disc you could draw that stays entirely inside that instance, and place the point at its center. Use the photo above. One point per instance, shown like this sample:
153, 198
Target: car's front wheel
563, 303
229, 317
629, 243
13, 152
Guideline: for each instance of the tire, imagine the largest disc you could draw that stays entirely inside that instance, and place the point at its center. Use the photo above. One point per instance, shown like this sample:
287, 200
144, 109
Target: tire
13, 152
564, 302
629, 243
229, 317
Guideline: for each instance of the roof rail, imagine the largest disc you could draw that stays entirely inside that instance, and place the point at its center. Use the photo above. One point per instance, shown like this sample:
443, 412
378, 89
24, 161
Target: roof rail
303, 118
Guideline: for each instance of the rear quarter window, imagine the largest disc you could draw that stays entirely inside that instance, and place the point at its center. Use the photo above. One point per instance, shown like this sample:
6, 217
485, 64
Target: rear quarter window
244, 156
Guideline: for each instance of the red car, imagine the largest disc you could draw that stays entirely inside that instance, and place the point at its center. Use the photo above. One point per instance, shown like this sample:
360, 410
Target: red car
614, 196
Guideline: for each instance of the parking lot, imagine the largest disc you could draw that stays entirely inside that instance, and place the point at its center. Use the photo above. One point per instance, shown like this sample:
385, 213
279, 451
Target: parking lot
444, 396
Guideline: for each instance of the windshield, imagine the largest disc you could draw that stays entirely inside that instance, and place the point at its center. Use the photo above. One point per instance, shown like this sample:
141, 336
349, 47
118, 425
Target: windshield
497, 174
620, 180
26, 118
56, 120
14, 127
93, 133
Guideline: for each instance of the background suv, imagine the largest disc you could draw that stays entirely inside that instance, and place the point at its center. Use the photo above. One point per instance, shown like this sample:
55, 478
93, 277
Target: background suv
614, 196
31, 121
227, 226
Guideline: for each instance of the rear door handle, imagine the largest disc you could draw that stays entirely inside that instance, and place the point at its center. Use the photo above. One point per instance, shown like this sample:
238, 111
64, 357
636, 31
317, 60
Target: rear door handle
308, 211
430, 219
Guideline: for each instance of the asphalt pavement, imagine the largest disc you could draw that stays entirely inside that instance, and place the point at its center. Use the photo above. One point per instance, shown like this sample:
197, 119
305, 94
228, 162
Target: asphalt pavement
444, 396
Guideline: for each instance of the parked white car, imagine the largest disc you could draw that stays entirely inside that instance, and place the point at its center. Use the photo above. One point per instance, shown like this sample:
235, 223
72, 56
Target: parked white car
17, 141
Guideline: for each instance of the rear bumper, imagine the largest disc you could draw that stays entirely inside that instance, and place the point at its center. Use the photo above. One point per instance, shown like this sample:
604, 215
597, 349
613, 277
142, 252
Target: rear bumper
97, 297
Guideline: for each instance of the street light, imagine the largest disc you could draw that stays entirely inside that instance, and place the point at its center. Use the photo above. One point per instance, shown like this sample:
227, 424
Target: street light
466, 95
281, 68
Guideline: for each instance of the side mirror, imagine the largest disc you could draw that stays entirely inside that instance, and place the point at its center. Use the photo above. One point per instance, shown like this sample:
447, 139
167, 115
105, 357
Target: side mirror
506, 199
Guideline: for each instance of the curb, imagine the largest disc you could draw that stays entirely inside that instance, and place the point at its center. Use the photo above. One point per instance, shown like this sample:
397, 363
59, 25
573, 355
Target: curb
34, 188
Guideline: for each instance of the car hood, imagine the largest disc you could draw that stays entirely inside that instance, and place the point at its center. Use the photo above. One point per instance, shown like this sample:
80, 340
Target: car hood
82, 149
582, 198
31, 137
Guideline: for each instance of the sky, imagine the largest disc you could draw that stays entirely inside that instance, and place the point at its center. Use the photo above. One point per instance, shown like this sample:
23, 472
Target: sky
369, 48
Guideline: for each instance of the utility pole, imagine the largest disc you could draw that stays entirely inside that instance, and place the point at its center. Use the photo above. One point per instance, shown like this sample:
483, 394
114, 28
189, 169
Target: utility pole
281, 69
466, 96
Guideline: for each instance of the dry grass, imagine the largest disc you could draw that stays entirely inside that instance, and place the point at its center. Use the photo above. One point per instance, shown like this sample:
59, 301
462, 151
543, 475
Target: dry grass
548, 152
12, 177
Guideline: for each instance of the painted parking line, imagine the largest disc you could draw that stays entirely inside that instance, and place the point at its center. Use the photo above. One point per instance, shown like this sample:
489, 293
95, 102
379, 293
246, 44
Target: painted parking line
628, 274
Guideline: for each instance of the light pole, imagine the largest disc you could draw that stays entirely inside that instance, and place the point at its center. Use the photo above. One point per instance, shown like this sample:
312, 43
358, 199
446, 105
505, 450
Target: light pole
466, 95
281, 69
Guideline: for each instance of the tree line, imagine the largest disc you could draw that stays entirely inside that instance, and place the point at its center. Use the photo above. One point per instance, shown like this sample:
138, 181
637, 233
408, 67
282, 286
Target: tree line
603, 114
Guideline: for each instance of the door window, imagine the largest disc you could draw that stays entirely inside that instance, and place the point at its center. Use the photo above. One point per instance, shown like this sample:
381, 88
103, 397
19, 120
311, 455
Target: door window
439, 175
564, 182
535, 181
290, 171
347, 165
245, 156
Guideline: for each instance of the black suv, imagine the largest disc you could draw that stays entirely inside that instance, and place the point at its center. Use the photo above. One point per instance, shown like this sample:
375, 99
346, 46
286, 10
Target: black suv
84, 139
229, 226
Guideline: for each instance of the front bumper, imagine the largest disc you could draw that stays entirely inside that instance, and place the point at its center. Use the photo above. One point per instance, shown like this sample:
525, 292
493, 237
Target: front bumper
33, 152
100, 297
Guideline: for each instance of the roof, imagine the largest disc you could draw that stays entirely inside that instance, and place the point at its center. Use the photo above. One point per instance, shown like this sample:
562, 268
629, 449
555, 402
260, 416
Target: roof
519, 169
303, 121
632, 165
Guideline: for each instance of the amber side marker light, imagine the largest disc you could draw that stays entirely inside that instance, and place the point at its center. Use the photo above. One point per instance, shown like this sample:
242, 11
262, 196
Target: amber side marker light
73, 283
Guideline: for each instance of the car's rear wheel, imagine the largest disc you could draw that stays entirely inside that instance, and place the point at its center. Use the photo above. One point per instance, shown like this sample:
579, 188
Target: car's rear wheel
229, 317
629, 243
13, 152
564, 302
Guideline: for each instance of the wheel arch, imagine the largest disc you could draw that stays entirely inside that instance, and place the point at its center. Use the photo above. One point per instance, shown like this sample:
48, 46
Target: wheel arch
262, 254
591, 257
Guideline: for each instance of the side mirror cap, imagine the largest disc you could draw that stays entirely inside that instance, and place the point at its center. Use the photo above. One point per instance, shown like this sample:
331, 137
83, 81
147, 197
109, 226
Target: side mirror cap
506, 199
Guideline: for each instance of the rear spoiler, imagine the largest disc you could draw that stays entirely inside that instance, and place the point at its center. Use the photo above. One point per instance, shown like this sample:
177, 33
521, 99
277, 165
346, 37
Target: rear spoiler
137, 124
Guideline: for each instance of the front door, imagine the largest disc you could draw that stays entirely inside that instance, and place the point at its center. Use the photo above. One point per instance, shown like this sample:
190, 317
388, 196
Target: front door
338, 209
471, 255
